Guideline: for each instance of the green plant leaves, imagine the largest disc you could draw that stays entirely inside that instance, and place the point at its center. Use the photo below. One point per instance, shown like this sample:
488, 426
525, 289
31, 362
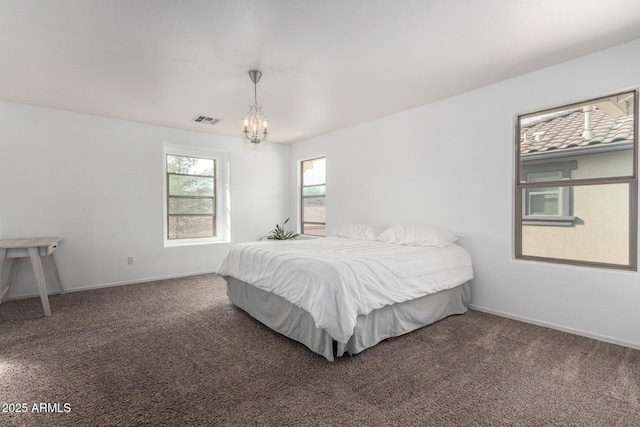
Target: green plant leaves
280, 233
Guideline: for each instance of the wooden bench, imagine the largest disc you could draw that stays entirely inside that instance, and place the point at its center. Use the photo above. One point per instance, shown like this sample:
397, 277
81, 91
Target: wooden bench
16, 250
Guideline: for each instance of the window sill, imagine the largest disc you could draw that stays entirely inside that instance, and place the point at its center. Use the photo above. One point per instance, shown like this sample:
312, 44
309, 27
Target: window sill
556, 221
192, 242
309, 237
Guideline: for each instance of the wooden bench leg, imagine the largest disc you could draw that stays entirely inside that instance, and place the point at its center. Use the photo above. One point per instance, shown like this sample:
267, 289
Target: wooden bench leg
37, 270
15, 262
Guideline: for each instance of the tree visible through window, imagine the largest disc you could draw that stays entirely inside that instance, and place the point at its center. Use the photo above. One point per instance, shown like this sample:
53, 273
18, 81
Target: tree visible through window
576, 183
314, 187
191, 191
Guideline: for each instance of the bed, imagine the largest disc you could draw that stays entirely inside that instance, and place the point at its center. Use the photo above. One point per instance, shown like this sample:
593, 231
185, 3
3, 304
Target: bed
345, 293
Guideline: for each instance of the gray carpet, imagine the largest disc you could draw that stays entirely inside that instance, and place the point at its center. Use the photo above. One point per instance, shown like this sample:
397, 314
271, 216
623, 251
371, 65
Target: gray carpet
178, 353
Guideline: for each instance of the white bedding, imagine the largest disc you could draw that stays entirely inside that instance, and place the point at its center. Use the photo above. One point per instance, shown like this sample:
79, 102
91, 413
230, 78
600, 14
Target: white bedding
336, 279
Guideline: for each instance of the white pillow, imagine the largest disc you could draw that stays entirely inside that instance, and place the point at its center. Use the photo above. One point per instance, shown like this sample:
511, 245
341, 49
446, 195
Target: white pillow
361, 231
418, 236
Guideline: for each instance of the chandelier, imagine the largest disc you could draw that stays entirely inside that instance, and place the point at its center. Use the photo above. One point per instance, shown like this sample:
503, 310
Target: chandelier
254, 124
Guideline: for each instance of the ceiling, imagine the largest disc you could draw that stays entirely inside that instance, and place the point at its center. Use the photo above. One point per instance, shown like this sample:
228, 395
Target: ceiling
326, 64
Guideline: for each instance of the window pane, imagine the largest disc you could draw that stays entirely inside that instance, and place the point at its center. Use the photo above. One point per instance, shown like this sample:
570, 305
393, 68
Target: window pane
190, 165
543, 204
598, 135
313, 172
319, 190
600, 232
314, 210
184, 227
314, 229
314, 201
180, 185
182, 205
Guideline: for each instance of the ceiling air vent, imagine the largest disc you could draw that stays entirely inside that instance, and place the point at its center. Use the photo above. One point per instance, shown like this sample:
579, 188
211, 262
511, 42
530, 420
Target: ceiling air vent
206, 120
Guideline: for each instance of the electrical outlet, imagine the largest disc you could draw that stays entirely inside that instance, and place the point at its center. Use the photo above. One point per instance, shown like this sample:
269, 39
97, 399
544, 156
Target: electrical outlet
131, 259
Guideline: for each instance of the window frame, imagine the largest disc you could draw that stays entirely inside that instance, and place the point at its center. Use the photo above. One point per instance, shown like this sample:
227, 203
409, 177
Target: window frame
566, 184
213, 196
220, 191
303, 197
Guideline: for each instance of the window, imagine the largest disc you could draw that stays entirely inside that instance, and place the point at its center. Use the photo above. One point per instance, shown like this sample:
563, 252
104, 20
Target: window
576, 189
191, 196
544, 200
548, 205
313, 211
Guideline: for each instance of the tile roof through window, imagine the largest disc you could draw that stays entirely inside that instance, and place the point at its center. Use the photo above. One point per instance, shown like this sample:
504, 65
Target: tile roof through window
565, 130
315, 213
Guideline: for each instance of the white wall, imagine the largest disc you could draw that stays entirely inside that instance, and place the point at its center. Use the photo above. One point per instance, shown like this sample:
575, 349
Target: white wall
450, 164
98, 183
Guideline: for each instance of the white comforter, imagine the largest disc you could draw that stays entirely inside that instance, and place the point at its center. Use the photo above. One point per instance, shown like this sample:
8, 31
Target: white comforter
336, 279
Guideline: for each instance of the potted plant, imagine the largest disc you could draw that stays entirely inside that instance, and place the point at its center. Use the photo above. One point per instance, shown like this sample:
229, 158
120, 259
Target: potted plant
279, 232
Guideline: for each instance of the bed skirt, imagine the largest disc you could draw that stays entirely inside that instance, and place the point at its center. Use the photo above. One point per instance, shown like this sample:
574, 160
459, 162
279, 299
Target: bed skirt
389, 321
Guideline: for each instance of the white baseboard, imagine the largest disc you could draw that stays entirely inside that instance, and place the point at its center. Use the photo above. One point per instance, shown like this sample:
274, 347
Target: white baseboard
598, 337
108, 285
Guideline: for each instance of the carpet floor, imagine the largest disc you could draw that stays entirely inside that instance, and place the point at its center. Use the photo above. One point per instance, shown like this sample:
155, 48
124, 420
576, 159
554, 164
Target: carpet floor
178, 353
